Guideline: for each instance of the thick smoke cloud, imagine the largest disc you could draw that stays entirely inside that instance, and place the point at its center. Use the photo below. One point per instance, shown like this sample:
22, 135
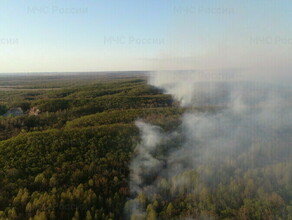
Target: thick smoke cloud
251, 129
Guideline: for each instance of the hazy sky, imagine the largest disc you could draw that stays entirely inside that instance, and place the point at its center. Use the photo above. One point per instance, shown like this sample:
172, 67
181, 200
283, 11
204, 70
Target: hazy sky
97, 35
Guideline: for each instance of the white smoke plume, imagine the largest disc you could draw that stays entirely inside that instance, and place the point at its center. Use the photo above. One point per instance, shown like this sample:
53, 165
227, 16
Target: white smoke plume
251, 129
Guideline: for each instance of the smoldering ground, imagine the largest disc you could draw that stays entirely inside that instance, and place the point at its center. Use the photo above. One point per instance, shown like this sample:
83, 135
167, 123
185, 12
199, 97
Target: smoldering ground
252, 132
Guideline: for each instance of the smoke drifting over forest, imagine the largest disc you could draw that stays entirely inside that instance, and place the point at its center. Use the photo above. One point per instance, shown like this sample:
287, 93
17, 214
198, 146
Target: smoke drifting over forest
247, 137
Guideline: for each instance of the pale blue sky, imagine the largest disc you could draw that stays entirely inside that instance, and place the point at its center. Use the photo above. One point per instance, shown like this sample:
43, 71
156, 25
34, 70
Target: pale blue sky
97, 35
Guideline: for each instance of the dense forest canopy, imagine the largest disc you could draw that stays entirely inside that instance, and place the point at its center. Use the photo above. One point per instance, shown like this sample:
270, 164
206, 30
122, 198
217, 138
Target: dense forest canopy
71, 158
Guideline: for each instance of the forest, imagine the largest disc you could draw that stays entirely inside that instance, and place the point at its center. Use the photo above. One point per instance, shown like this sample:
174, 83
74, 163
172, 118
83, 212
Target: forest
71, 158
